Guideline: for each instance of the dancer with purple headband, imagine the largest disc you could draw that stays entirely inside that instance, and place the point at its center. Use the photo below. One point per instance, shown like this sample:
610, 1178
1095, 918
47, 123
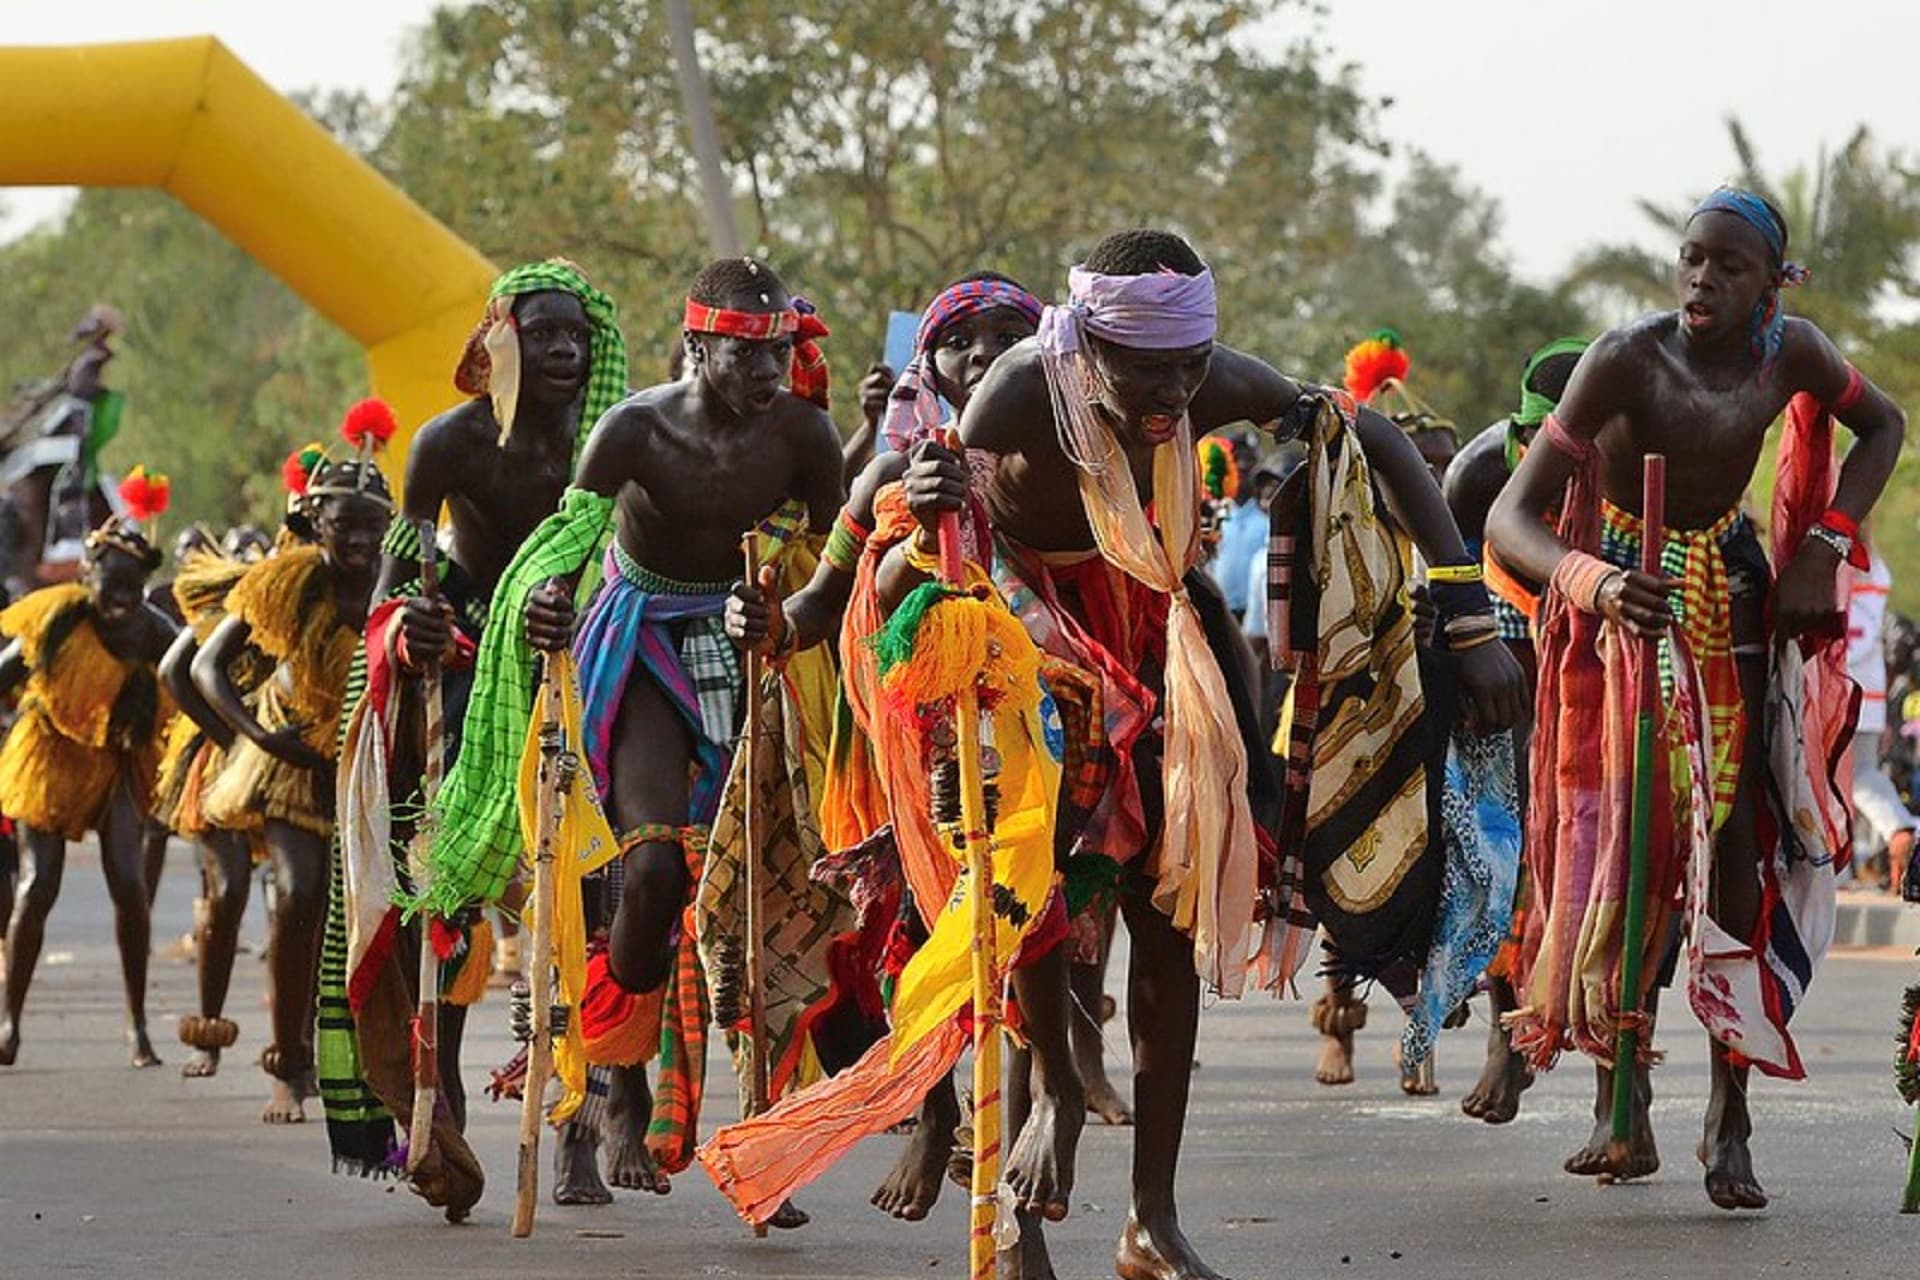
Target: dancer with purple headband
1753, 657
1090, 424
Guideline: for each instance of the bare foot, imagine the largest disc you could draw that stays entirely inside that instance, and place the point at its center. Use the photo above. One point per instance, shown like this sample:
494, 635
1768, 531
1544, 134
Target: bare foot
284, 1106
143, 1054
1336, 1018
1723, 1149
1104, 1100
788, 1217
203, 1065
1602, 1158
1158, 1252
1336, 1060
1730, 1181
1418, 1082
1040, 1164
9, 1041
630, 1165
913, 1184
1495, 1097
623, 1143
576, 1178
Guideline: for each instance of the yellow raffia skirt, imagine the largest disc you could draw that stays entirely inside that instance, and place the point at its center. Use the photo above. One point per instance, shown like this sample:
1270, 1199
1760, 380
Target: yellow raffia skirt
254, 788
50, 782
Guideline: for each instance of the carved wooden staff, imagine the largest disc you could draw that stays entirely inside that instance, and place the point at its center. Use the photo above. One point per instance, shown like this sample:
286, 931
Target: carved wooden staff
557, 766
1653, 533
426, 1026
752, 751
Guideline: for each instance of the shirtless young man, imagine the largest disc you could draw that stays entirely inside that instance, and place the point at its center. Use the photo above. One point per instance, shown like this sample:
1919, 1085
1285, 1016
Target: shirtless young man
1139, 339
496, 465
1701, 384
689, 468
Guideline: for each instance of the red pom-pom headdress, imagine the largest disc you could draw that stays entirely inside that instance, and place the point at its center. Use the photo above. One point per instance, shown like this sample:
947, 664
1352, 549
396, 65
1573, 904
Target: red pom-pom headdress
145, 494
367, 426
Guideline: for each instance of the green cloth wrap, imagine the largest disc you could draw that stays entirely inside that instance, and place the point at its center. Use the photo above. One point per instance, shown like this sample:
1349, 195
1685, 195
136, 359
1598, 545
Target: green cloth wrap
1535, 407
606, 348
477, 846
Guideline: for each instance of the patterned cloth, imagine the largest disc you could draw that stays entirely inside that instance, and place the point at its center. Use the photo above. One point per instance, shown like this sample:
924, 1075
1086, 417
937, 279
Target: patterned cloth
1743, 990
1356, 810
1480, 820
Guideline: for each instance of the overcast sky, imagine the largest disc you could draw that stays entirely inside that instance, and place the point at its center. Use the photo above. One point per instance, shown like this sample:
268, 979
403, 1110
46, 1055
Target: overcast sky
1564, 112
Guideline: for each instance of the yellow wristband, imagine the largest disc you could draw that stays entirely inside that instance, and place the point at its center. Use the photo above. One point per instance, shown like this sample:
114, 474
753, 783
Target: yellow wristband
1454, 573
927, 562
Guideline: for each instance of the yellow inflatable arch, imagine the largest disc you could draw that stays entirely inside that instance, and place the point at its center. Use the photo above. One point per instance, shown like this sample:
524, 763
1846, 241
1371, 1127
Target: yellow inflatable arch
188, 117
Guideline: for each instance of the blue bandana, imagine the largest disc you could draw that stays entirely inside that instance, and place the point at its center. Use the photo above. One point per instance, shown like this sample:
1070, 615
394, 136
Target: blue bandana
1768, 326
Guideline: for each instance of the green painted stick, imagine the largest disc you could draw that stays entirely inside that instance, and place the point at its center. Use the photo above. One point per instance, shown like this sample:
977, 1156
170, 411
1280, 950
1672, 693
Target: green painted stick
1653, 521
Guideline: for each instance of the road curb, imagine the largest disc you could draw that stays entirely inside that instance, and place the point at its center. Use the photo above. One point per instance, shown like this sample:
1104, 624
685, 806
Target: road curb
1876, 920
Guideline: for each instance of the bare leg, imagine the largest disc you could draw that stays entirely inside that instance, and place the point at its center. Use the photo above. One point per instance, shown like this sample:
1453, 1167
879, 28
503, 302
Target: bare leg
1085, 1018
45, 856
1041, 1158
913, 1184
1496, 1097
227, 864
576, 1174
300, 866
650, 754
122, 856
453, 1032
153, 856
624, 1143
1735, 905
9, 878
1163, 1017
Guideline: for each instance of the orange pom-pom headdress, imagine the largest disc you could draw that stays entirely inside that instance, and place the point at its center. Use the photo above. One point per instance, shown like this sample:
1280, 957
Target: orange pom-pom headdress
296, 473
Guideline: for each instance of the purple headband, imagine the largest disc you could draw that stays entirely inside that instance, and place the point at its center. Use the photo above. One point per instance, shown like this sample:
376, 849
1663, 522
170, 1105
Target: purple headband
1161, 311
913, 406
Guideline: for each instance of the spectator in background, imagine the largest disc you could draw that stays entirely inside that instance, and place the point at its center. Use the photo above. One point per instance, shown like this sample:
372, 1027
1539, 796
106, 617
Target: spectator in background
1874, 797
1243, 535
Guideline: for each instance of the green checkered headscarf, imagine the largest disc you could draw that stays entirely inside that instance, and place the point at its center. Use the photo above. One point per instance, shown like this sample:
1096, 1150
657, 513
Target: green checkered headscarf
606, 348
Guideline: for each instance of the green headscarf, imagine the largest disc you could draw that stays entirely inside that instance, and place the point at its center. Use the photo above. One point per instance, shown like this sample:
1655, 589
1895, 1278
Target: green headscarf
606, 348
1534, 407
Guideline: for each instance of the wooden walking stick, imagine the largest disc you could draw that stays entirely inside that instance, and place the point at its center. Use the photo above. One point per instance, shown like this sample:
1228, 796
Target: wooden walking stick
752, 748
557, 765
1653, 521
976, 838
426, 1026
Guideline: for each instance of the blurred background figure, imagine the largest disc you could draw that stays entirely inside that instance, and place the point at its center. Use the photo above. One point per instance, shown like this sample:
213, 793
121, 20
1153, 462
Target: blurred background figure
1886, 821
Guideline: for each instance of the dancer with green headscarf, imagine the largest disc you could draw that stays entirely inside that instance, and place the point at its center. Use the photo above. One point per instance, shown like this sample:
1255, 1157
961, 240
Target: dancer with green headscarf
544, 362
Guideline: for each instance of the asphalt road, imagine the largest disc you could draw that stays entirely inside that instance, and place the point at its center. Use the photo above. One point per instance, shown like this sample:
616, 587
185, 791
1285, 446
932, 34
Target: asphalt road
105, 1171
